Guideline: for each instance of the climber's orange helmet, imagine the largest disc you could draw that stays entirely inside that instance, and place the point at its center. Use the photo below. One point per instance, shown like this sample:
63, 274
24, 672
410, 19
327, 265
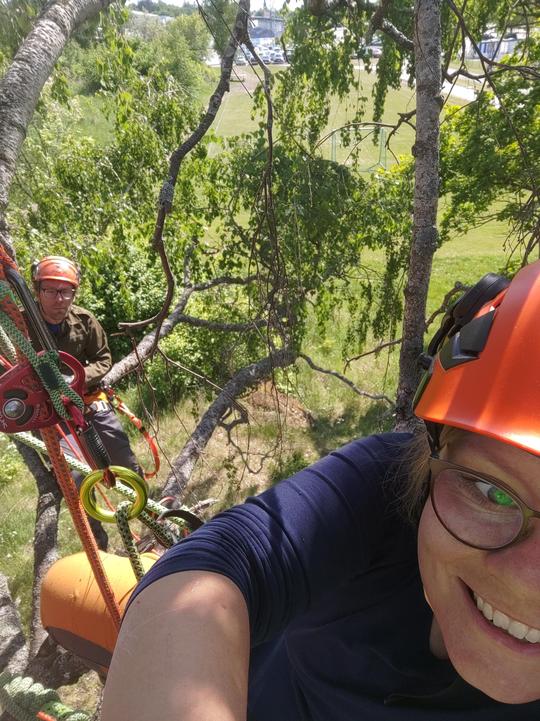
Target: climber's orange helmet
56, 267
485, 369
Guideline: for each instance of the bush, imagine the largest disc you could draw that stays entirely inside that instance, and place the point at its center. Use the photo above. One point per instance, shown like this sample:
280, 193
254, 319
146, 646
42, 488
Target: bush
286, 466
12, 464
210, 355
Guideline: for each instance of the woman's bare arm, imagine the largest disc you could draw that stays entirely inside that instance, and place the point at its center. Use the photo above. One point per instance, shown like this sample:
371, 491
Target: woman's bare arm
182, 653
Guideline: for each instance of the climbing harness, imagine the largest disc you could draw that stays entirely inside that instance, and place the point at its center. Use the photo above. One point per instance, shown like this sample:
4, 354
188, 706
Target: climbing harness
119, 405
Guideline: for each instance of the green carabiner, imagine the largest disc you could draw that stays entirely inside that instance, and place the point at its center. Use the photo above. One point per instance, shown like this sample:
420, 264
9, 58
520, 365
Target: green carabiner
129, 478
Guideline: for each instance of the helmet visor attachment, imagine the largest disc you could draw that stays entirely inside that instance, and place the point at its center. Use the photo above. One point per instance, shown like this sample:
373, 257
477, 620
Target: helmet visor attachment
477, 509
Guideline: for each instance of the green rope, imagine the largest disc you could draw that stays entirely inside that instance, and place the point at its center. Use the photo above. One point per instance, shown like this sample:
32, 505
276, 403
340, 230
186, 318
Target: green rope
38, 445
161, 533
23, 699
7, 347
46, 365
123, 528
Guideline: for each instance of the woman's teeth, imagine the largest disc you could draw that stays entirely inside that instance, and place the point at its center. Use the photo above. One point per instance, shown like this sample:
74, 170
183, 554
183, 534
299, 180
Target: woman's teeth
504, 622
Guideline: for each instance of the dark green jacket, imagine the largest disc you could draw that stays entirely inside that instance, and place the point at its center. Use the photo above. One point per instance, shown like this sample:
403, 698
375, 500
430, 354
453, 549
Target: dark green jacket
82, 336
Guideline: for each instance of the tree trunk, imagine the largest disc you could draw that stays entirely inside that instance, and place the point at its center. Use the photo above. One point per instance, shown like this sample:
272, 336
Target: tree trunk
45, 537
427, 52
13, 648
23, 82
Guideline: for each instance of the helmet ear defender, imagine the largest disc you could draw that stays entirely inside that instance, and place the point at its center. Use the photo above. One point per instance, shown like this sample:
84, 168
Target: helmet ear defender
462, 312
33, 271
483, 364
462, 336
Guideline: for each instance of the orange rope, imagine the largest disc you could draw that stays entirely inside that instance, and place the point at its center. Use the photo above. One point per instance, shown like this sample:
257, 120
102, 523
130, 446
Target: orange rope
99, 488
119, 405
80, 521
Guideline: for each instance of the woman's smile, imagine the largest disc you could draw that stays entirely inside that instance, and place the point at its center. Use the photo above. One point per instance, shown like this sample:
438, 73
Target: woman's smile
510, 625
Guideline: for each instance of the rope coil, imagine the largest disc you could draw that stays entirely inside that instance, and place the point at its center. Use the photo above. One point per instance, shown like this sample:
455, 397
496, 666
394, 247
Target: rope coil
26, 700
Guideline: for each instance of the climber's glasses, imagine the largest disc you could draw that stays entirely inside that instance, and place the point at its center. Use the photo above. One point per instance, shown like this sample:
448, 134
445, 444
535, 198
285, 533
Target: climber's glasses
63, 293
478, 510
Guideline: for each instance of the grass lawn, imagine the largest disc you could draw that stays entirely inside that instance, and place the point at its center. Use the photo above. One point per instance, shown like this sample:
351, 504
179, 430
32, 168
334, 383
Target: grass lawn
235, 115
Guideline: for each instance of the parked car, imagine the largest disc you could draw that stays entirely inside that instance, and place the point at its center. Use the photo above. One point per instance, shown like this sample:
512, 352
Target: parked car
276, 56
240, 58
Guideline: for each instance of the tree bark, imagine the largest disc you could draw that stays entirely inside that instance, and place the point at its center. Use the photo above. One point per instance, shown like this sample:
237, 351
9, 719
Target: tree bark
45, 537
427, 53
53, 666
20, 89
23, 82
13, 648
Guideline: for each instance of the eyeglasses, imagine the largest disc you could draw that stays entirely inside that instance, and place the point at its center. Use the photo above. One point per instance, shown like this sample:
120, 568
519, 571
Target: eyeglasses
64, 293
478, 510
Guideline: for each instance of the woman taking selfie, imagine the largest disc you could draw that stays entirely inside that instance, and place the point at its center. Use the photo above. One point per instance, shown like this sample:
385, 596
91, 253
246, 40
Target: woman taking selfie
398, 578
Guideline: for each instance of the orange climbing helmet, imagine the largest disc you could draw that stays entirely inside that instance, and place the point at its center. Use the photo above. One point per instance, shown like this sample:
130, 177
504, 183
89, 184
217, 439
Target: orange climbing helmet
484, 373
56, 267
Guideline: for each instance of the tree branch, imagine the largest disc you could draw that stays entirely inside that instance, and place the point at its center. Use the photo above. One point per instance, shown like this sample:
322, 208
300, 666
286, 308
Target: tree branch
347, 381
223, 280
221, 326
377, 349
248, 377
166, 197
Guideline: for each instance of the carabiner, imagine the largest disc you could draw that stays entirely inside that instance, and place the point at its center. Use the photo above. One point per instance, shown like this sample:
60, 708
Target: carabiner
128, 477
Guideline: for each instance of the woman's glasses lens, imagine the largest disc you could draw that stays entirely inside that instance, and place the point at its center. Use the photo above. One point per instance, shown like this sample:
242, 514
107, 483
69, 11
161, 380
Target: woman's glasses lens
475, 510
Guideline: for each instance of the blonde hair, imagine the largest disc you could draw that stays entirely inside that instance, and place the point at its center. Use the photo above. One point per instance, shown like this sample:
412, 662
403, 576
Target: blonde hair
416, 461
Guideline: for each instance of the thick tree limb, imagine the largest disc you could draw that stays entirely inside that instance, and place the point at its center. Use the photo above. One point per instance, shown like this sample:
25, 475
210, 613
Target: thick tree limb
379, 21
45, 536
427, 41
13, 647
248, 377
400, 39
24, 80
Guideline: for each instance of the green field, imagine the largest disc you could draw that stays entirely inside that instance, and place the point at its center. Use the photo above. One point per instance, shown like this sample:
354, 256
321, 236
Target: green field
234, 116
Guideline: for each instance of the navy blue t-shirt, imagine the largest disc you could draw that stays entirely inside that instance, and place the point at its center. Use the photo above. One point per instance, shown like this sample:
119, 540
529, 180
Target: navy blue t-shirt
339, 624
